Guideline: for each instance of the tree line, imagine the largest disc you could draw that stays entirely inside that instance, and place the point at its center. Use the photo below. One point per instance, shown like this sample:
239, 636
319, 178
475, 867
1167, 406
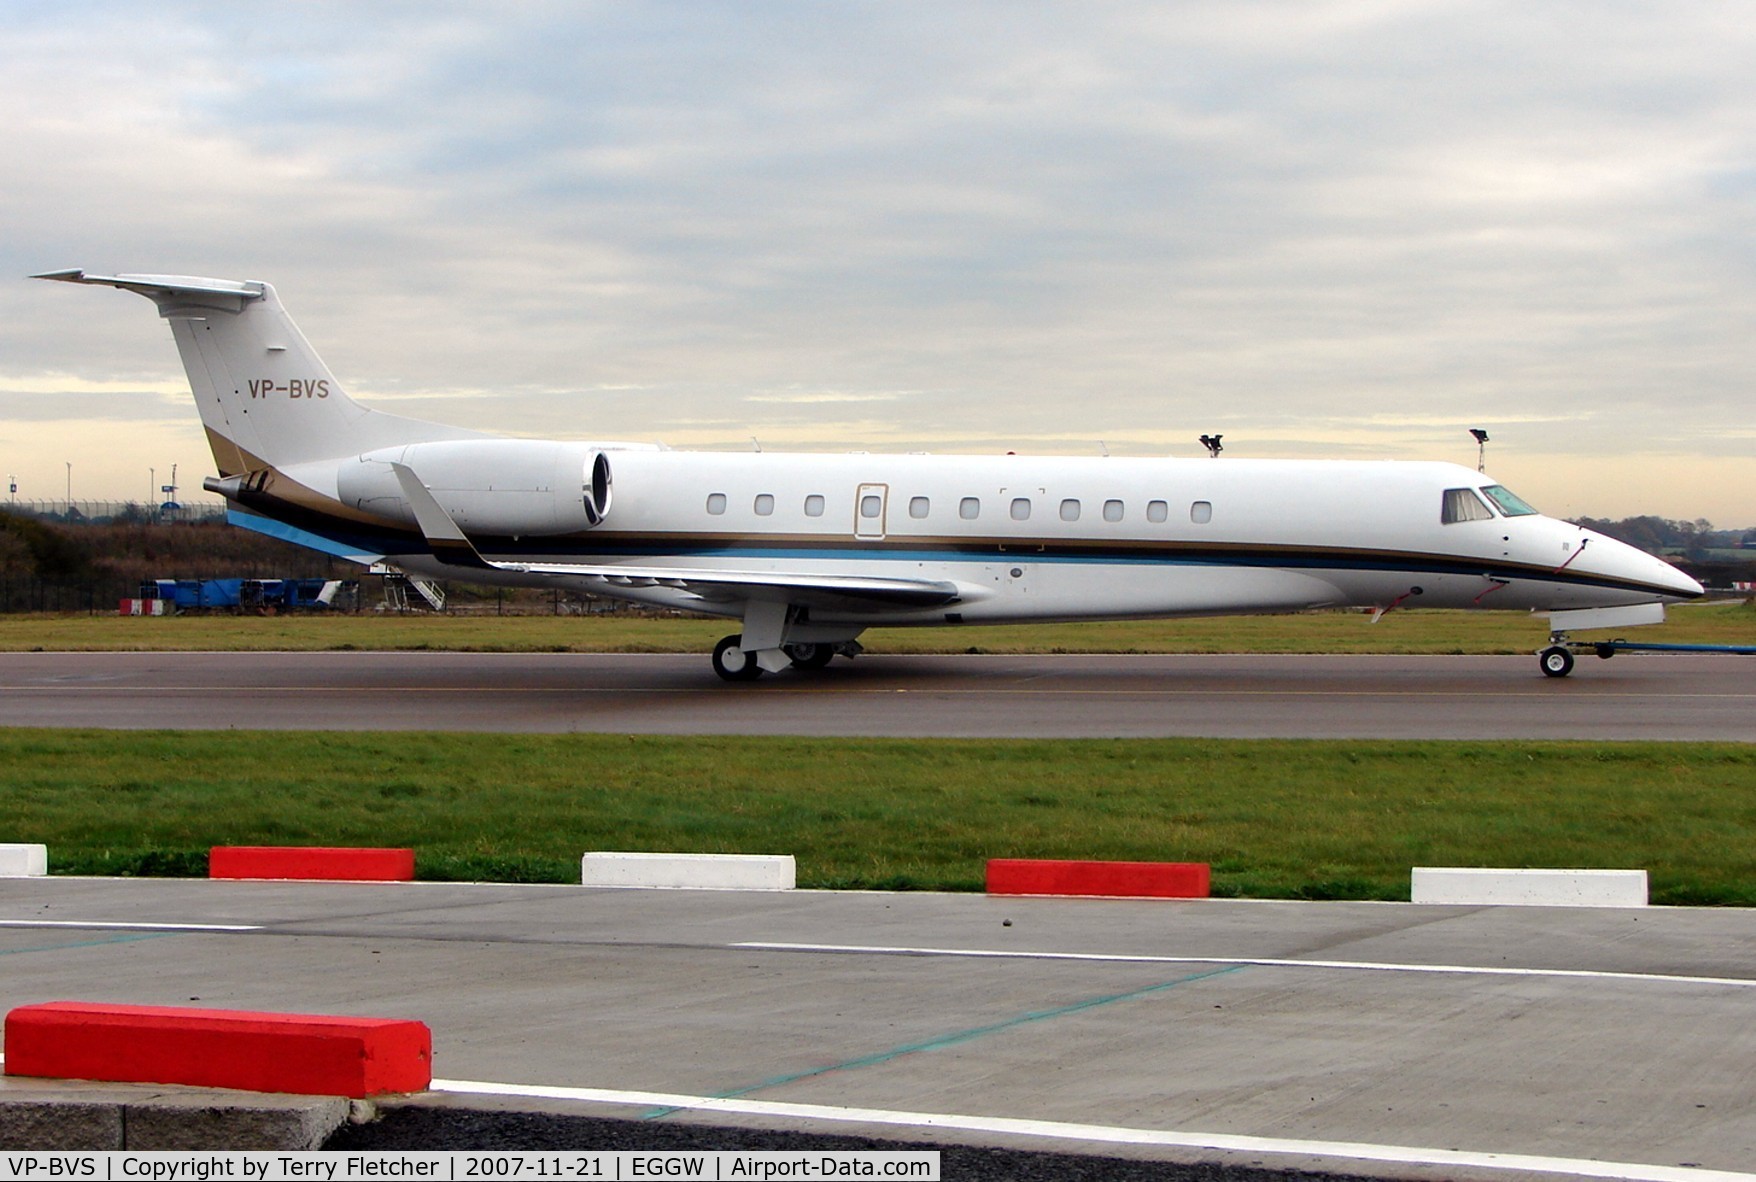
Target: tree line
59, 566
1660, 535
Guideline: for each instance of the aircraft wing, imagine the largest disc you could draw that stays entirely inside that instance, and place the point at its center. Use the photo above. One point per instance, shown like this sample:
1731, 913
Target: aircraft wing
450, 545
723, 586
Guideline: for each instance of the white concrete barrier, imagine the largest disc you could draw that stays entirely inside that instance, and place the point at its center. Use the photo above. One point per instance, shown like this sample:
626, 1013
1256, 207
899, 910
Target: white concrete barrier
723, 872
23, 861
1529, 888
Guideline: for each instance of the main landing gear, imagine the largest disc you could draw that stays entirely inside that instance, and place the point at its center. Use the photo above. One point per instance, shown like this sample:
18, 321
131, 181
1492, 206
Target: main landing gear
732, 663
809, 656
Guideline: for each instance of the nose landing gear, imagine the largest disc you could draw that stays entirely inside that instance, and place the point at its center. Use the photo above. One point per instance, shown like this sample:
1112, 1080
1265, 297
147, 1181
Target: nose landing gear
1556, 660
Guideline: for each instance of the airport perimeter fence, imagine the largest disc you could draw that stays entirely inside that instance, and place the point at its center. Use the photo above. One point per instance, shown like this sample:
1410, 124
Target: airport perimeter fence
102, 596
112, 512
36, 595
105, 596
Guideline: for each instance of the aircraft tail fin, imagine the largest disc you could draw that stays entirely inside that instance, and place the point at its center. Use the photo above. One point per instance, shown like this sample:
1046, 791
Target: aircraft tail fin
265, 397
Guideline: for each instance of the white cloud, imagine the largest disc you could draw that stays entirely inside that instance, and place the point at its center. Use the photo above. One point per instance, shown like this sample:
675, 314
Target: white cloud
1310, 225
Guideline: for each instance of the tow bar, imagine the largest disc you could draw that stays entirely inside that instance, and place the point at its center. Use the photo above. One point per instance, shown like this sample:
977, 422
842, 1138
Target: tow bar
1557, 659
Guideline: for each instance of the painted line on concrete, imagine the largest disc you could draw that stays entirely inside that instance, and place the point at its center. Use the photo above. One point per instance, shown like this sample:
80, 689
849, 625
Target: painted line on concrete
1266, 962
953, 1038
1105, 1134
104, 924
120, 938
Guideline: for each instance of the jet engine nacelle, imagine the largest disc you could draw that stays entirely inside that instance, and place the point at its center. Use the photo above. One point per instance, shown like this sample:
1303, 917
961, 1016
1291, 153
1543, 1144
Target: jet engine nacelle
516, 487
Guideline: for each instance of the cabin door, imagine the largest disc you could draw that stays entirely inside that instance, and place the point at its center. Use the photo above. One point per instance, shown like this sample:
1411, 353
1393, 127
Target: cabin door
869, 509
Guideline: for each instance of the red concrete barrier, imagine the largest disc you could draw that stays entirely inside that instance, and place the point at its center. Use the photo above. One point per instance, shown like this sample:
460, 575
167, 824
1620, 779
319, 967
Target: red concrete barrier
348, 865
1043, 876
307, 1054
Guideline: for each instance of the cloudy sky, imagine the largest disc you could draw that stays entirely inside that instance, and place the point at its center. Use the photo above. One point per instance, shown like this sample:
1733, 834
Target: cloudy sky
1324, 229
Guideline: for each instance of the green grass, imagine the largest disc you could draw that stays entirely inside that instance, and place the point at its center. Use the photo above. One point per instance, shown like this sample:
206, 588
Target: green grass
1275, 819
1312, 632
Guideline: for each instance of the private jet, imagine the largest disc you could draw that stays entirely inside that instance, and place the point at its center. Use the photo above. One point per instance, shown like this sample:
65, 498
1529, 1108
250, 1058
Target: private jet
807, 551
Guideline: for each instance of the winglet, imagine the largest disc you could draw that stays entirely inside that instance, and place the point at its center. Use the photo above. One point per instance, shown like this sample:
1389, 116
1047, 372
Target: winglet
450, 545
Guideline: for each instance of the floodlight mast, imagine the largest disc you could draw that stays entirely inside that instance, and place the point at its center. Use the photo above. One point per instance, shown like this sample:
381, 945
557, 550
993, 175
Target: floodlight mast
1211, 443
1481, 438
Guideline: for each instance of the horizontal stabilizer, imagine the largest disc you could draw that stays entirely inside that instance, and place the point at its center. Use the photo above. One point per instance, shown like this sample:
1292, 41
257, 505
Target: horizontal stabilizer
155, 286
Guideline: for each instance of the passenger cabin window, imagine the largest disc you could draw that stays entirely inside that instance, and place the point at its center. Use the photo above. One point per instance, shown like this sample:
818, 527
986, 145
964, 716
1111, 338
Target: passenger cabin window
919, 507
1201, 512
1112, 510
1070, 510
1021, 508
764, 505
969, 508
1511, 505
871, 505
716, 503
814, 505
1157, 511
1462, 504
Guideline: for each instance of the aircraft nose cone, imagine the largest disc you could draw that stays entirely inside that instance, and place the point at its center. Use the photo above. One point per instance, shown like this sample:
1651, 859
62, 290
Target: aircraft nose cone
1682, 586
1637, 566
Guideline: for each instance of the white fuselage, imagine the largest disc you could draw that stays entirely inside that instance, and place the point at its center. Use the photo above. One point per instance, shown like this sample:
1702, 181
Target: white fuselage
1039, 538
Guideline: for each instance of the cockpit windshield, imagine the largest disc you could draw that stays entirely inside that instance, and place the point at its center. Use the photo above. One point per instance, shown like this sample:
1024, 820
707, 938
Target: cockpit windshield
1508, 501
1460, 504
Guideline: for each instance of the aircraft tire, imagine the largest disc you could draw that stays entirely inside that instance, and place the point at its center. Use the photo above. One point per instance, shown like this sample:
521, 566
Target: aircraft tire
810, 656
733, 663
1556, 661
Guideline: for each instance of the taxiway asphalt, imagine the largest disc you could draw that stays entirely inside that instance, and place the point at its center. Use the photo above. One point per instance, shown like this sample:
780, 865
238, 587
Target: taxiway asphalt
1633, 696
1387, 1039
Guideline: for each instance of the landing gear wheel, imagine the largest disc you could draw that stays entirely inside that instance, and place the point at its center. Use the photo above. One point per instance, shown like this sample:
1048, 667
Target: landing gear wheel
810, 656
1556, 661
733, 663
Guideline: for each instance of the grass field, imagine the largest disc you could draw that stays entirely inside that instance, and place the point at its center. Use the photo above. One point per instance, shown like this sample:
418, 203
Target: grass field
1312, 632
1275, 819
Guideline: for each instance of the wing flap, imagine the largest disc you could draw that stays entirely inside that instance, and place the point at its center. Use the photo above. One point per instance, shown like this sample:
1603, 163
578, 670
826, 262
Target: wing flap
724, 586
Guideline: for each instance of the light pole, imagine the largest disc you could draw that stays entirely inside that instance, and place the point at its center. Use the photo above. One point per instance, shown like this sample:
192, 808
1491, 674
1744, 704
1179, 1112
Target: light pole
70, 488
1481, 437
